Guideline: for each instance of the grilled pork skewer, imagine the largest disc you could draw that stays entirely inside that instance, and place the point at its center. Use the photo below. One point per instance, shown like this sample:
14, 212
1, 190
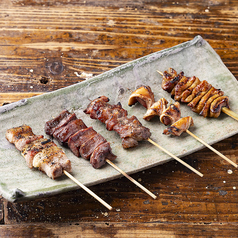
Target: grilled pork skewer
85, 142
44, 155
38, 152
178, 126
202, 97
130, 129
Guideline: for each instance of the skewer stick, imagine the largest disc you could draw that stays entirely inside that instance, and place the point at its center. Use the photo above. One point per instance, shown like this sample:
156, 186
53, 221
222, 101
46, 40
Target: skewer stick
176, 158
211, 148
131, 179
226, 110
230, 113
88, 190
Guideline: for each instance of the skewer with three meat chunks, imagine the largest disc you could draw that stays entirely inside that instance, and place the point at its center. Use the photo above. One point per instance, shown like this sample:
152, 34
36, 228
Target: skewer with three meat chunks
85, 142
201, 96
45, 155
130, 129
168, 116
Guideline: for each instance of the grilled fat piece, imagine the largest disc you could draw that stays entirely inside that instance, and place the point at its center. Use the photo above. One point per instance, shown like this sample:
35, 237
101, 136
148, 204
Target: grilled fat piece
39, 152
179, 126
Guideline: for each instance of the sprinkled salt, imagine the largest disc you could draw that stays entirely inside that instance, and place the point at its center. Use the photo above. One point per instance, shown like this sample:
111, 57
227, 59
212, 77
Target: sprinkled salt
229, 171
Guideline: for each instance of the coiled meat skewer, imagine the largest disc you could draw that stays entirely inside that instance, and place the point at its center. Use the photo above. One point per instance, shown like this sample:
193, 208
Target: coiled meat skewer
201, 96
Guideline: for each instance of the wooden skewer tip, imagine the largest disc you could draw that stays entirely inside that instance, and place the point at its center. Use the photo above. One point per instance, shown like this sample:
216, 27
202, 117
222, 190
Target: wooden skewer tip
211, 148
176, 158
160, 72
87, 190
131, 179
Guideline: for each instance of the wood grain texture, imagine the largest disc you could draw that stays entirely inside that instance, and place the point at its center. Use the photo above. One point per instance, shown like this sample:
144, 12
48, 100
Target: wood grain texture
47, 45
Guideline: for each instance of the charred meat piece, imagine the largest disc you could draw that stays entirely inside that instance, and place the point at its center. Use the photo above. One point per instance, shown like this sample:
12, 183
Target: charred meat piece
171, 114
80, 137
30, 150
131, 128
199, 92
100, 154
64, 133
156, 109
205, 112
217, 105
62, 121
16, 133
143, 95
170, 79
95, 105
21, 136
179, 126
110, 112
87, 148
39, 153
185, 97
50, 125
52, 161
183, 85
124, 126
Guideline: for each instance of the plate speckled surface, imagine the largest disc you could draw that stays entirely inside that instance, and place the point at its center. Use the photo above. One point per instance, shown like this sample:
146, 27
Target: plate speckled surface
195, 57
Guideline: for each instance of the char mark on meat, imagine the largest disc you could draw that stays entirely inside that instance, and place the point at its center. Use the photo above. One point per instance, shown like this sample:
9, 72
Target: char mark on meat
201, 96
100, 154
115, 118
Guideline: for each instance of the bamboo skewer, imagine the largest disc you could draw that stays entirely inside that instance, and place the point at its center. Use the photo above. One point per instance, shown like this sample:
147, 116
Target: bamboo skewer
131, 179
87, 190
230, 113
211, 148
176, 158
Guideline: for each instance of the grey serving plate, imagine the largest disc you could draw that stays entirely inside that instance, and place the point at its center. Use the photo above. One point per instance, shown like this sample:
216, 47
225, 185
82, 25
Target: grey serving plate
195, 57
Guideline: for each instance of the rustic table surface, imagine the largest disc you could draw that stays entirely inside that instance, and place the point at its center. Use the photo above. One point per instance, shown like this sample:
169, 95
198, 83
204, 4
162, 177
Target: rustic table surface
47, 45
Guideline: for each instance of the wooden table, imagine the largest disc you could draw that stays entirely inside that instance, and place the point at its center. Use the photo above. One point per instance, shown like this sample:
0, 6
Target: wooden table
47, 45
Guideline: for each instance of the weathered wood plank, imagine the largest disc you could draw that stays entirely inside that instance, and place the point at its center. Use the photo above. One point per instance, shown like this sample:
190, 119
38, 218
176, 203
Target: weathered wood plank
94, 40
6, 98
1, 210
121, 229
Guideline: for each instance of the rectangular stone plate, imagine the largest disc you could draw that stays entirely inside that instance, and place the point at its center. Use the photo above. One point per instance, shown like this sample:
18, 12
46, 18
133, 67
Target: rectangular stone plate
195, 57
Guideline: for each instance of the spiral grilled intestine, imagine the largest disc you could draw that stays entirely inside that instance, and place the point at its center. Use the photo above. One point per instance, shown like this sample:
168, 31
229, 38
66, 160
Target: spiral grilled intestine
201, 96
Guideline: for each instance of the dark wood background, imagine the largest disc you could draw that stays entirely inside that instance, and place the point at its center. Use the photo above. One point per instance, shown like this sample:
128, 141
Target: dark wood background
47, 45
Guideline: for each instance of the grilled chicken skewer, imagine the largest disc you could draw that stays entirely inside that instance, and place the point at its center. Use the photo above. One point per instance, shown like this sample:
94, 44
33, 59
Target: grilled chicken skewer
130, 129
44, 155
85, 142
171, 117
202, 97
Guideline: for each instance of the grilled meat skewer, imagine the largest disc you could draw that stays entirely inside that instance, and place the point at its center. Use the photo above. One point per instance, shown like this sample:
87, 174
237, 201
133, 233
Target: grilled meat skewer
115, 117
82, 140
39, 152
201, 96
